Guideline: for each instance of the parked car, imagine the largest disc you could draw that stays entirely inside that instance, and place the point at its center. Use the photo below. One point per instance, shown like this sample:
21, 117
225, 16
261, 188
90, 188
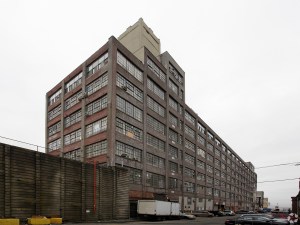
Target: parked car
203, 213
242, 212
217, 213
187, 216
256, 219
229, 213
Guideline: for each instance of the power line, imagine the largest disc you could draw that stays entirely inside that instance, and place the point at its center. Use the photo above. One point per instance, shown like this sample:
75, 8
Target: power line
269, 181
282, 164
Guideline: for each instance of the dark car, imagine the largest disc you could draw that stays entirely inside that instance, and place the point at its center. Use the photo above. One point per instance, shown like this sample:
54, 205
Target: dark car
203, 213
217, 213
256, 219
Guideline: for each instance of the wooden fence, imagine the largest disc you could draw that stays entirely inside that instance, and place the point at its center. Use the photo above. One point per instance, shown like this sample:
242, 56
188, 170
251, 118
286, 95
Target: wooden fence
34, 183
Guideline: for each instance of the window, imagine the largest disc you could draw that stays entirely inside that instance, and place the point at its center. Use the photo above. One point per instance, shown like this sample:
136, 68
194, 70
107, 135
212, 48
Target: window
155, 180
173, 136
189, 187
96, 127
54, 113
189, 145
97, 84
129, 130
189, 172
173, 183
190, 159
209, 180
217, 162
153, 105
176, 74
54, 129
72, 137
155, 142
155, 161
73, 100
173, 86
173, 120
218, 143
96, 105
201, 128
200, 176
200, 164
189, 131
97, 64
96, 149
209, 168
128, 66
75, 155
217, 152
135, 176
73, 118
156, 89
129, 88
54, 145
76, 81
130, 151
173, 167
155, 125
189, 117
210, 158
55, 97
210, 147
200, 152
173, 152
210, 136
129, 109
201, 140
158, 72
173, 104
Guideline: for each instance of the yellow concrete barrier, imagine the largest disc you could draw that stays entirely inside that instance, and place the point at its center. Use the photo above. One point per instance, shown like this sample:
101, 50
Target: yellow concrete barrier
39, 221
9, 221
56, 220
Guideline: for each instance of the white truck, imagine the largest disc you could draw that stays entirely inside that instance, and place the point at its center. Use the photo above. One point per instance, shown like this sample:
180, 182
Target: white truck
154, 209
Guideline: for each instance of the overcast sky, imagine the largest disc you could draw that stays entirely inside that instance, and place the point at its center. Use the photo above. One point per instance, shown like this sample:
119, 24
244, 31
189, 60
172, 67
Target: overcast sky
241, 61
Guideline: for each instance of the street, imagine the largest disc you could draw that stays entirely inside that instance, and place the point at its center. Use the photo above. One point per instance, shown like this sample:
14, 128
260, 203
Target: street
198, 220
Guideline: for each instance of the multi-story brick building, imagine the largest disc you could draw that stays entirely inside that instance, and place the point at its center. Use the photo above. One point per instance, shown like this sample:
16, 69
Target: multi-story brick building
125, 105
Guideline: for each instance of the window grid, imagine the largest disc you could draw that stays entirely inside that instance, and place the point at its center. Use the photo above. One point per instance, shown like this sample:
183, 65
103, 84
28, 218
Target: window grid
189, 117
189, 145
155, 161
76, 81
96, 106
201, 128
135, 176
97, 84
189, 187
96, 149
190, 159
189, 172
54, 113
130, 88
156, 89
173, 87
176, 74
72, 137
128, 66
173, 119
54, 145
160, 110
130, 151
155, 180
173, 183
173, 167
96, 127
200, 164
75, 155
97, 64
156, 125
155, 142
55, 97
173, 104
129, 109
189, 131
173, 152
158, 72
73, 118
73, 100
173, 135
54, 129
129, 130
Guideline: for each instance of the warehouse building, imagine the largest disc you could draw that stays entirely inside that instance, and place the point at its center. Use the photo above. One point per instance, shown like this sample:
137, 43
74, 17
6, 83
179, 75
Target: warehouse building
125, 106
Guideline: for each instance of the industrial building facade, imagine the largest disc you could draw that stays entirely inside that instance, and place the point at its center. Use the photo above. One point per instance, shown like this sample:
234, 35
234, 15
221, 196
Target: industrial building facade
125, 105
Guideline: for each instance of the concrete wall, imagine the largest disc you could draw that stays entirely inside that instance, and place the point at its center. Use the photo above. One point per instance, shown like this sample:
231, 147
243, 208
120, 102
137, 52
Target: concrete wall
34, 183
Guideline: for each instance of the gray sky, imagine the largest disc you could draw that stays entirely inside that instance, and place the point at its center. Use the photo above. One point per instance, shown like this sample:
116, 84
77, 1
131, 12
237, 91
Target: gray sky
241, 59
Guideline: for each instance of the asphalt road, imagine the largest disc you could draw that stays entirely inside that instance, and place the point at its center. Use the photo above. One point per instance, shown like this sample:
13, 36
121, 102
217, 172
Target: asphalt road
198, 220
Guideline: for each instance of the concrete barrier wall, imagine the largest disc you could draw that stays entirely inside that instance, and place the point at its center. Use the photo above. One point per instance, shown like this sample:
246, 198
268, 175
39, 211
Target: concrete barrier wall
34, 183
